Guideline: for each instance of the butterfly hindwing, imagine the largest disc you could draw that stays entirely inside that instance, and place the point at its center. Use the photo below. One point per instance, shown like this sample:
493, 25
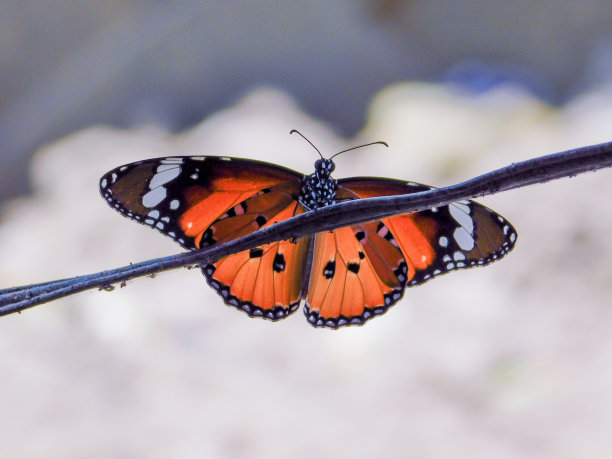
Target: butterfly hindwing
357, 273
266, 281
435, 241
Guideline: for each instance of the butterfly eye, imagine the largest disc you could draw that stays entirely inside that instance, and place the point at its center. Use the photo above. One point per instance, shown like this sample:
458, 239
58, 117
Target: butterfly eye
318, 164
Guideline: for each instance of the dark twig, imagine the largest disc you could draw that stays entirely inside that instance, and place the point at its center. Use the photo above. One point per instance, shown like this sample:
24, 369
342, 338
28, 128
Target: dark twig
539, 170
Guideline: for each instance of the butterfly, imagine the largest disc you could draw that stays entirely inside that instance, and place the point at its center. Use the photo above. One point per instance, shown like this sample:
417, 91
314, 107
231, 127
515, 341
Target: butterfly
345, 276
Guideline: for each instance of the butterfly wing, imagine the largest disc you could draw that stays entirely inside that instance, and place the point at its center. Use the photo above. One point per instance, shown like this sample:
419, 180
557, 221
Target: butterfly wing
435, 241
266, 281
357, 273
199, 201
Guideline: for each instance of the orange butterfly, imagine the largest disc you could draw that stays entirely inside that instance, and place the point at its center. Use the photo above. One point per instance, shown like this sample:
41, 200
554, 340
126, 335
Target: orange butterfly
347, 276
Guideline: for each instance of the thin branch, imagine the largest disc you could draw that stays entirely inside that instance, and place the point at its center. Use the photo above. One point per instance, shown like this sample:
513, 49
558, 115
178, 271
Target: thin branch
539, 170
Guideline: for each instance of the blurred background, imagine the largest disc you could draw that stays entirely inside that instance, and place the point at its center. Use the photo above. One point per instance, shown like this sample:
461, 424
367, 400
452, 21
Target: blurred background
67, 65
508, 361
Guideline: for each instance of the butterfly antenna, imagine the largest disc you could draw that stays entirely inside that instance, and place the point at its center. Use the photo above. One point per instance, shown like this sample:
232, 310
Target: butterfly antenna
304, 137
380, 142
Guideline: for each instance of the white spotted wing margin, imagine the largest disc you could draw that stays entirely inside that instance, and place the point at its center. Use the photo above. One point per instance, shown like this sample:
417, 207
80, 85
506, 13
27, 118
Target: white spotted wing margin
142, 191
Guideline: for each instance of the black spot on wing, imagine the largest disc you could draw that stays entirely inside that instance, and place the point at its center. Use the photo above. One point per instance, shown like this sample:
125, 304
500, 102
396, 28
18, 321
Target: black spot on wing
330, 269
261, 220
238, 209
279, 263
256, 253
353, 267
207, 238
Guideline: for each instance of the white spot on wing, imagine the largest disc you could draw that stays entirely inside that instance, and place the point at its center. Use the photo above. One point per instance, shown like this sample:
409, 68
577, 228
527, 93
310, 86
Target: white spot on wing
164, 177
154, 197
174, 204
153, 214
166, 167
463, 239
460, 213
175, 160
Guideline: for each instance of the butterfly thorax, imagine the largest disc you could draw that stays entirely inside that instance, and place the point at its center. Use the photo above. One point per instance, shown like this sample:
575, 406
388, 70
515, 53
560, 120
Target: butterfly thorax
319, 189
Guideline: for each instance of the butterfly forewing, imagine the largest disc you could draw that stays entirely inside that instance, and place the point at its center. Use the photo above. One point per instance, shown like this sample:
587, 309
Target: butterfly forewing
460, 235
267, 206
182, 196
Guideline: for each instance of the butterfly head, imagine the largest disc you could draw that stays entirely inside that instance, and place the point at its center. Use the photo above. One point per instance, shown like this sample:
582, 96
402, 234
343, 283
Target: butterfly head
319, 189
324, 167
